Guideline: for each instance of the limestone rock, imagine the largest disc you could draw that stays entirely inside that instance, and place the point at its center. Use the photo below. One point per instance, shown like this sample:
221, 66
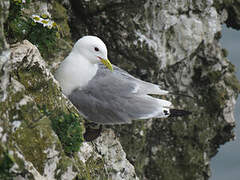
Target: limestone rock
174, 44
4, 6
34, 113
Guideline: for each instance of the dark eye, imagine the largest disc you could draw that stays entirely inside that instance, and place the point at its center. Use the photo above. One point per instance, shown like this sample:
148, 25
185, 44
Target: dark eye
96, 49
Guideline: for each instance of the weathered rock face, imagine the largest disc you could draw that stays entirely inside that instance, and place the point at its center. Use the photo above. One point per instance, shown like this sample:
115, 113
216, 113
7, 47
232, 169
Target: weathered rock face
4, 5
232, 8
174, 44
41, 132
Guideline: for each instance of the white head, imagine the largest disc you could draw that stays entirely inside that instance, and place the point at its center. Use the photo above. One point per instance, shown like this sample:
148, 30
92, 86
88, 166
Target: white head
79, 67
93, 49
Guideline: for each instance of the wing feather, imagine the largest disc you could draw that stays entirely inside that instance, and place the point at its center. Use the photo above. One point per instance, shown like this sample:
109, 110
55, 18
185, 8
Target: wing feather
117, 97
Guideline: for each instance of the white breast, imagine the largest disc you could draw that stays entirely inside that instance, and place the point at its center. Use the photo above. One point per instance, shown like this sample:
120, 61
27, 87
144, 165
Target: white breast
75, 72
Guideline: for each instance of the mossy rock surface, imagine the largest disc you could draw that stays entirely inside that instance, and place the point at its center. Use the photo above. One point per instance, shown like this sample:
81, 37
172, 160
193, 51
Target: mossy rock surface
31, 103
31, 20
41, 131
173, 44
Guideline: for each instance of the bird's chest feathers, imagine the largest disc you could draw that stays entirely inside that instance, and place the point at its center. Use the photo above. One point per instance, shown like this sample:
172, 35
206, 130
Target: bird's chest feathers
77, 74
83, 72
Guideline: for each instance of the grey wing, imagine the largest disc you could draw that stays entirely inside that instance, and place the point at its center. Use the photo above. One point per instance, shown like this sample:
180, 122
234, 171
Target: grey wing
135, 85
111, 98
105, 108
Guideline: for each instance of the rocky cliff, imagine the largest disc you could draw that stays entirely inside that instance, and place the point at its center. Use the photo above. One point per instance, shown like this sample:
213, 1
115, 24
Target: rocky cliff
172, 43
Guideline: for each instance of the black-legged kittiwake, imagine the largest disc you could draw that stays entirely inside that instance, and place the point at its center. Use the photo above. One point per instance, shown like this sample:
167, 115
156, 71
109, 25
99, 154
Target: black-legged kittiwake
104, 93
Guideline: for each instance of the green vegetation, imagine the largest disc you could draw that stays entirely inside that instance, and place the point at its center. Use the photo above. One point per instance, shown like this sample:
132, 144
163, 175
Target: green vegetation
67, 125
215, 95
69, 129
233, 82
6, 162
39, 30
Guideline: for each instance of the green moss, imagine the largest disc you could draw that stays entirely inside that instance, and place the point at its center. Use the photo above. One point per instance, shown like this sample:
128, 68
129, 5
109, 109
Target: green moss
92, 169
225, 52
63, 165
214, 76
28, 138
179, 150
34, 136
231, 68
60, 16
176, 170
214, 97
136, 145
69, 129
68, 126
44, 38
6, 162
52, 42
233, 82
95, 168
43, 112
20, 26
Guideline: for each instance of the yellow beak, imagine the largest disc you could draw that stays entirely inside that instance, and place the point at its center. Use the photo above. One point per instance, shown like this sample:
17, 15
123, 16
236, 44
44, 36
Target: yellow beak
107, 63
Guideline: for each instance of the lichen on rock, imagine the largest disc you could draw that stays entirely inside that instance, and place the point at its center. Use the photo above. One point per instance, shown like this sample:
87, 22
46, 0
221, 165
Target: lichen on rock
40, 130
27, 131
174, 44
4, 6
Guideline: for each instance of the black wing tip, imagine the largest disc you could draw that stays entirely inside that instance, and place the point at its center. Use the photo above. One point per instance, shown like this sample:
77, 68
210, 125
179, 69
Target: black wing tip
178, 113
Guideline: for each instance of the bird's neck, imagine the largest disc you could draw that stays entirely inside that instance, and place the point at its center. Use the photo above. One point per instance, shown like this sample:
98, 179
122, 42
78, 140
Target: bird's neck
75, 72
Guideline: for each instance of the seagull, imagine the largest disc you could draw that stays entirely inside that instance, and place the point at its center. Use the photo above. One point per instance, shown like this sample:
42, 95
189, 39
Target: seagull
106, 94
